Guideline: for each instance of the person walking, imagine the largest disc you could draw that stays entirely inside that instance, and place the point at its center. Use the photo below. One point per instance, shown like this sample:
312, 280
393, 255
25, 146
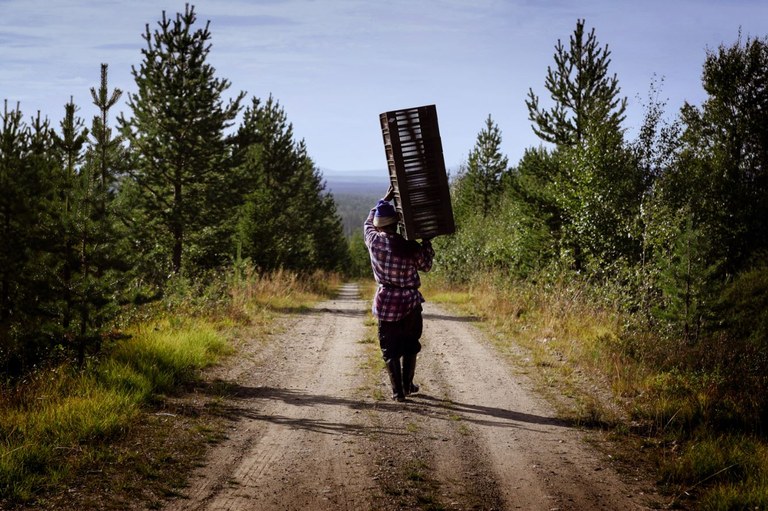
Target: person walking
396, 263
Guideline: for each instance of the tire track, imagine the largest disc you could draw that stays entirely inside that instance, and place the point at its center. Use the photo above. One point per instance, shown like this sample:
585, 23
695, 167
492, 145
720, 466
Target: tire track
308, 431
295, 440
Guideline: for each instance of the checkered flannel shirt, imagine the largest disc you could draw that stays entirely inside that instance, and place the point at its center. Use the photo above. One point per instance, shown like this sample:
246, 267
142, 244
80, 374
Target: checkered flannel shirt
396, 263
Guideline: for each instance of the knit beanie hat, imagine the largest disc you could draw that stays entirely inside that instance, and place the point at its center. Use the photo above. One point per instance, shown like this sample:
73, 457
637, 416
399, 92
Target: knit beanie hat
385, 214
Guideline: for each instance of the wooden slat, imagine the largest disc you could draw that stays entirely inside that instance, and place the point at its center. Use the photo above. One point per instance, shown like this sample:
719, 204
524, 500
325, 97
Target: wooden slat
417, 171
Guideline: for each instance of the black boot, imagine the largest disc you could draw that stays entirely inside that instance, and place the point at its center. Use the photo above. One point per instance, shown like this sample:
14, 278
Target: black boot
395, 378
409, 368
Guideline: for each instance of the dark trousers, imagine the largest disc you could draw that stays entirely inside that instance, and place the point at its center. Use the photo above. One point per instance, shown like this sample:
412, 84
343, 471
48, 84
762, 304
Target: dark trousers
399, 338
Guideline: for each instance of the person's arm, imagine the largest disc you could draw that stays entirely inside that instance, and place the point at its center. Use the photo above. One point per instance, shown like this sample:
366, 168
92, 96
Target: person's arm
425, 256
369, 231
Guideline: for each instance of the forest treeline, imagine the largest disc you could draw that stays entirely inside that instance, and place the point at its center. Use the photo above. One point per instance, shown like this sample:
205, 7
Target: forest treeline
670, 227
194, 184
94, 217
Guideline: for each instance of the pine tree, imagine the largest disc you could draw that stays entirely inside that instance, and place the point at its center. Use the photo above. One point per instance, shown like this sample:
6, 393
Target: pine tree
15, 218
286, 219
481, 184
265, 153
108, 152
686, 279
177, 133
101, 262
595, 185
64, 250
14, 141
586, 98
26, 169
330, 250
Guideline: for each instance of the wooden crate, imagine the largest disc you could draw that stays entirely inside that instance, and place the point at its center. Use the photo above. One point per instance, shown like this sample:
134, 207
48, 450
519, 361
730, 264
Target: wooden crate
417, 172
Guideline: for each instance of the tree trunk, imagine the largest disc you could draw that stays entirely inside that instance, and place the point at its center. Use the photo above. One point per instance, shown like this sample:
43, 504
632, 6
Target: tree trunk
177, 225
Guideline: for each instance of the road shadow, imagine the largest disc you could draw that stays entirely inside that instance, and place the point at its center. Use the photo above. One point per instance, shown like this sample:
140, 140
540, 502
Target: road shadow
240, 402
308, 311
348, 294
443, 317
488, 415
342, 312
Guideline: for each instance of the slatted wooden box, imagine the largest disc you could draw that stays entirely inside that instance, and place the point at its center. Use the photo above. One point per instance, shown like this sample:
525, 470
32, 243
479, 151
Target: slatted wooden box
417, 171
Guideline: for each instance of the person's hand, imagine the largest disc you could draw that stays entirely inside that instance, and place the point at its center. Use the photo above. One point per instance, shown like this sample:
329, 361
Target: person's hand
390, 193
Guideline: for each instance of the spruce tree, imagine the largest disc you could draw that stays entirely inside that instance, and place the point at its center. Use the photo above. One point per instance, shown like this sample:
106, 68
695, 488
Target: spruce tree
586, 97
286, 220
481, 184
63, 213
177, 134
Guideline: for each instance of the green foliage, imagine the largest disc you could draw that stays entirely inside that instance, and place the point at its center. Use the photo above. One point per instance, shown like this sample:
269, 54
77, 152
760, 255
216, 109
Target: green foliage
733, 471
598, 191
479, 187
19, 213
286, 219
721, 171
687, 280
586, 98
360, 259
101, 262
533, 188
590, 187
81, 260
79, 411
177, 137
90, 221
743, 307
510, 240
742, 312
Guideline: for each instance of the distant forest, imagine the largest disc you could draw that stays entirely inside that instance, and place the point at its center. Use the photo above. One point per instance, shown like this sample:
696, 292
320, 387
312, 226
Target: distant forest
353, 209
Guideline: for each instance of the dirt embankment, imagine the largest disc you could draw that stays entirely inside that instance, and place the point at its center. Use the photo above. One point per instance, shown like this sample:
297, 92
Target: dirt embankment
312, 428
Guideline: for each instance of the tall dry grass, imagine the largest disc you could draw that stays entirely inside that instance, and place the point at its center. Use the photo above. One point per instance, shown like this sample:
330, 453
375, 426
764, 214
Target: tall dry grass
622, 376
257, 296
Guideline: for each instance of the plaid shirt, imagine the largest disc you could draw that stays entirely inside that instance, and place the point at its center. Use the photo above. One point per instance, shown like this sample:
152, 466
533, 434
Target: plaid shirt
396, 263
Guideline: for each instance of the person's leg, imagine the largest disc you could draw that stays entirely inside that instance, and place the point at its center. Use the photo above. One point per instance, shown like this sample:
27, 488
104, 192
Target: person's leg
389, 342
409, 369
413, 325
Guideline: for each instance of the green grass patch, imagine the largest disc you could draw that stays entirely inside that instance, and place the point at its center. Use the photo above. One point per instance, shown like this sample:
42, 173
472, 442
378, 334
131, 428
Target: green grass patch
412, 427
415, 471
62, 418
724, 473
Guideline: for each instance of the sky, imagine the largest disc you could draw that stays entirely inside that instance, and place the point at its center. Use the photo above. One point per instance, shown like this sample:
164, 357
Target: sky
335, 65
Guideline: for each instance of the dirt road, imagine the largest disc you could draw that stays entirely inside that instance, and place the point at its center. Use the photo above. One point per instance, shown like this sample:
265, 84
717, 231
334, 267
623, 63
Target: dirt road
312, 428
